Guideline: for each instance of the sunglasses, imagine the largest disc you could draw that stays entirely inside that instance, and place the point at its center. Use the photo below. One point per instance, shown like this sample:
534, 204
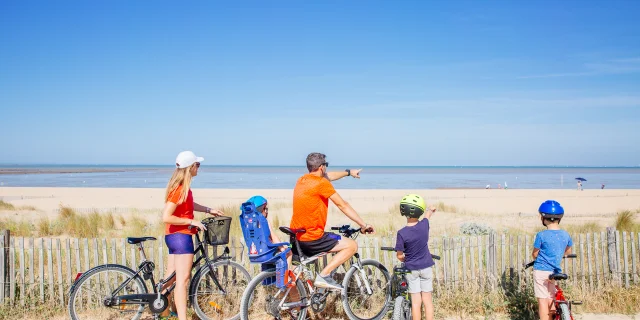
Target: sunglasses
326, 164
197, 164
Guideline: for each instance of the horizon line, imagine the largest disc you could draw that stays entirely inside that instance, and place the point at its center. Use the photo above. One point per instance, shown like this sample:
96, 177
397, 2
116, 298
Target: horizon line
330, 166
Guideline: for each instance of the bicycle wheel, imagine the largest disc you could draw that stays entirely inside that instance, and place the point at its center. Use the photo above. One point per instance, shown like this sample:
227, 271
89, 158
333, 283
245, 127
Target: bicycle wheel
565, 314
260, 300
357, 302
86, 299
208, 301
401, 309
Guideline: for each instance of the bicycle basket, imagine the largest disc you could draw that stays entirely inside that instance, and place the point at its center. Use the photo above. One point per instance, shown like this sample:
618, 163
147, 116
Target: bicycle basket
217, 230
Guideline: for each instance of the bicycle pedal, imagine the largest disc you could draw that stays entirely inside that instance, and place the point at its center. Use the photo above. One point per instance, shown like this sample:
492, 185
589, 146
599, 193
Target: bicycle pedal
215, 306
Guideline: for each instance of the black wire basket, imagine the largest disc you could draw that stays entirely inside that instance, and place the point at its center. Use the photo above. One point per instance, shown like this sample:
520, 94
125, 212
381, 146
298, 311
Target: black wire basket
217, 230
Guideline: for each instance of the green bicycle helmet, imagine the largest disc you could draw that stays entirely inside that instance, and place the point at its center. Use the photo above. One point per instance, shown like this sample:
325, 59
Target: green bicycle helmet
412, 206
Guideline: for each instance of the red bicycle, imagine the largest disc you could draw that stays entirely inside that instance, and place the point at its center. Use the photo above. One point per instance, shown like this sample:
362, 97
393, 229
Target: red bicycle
561, 304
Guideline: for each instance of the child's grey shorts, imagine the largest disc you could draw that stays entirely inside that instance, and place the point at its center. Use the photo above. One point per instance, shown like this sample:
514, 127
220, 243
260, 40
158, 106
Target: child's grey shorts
420, 280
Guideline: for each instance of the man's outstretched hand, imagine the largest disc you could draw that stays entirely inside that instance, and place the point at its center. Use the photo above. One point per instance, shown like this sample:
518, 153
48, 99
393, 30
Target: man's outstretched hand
356, 173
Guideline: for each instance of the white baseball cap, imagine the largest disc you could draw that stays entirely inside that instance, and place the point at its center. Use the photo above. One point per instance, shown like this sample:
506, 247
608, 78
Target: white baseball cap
186, 159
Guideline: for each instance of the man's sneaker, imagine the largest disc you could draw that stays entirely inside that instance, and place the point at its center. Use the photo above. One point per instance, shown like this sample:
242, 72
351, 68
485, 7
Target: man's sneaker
327, 283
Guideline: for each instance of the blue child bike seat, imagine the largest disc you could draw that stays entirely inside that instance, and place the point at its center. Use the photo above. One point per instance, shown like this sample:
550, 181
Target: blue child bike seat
255, 229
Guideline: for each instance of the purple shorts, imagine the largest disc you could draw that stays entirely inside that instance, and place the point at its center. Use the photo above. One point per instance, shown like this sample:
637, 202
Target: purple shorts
179, 243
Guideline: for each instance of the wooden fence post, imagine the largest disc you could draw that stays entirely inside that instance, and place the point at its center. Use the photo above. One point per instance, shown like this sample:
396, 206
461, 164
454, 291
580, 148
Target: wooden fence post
6, 234
612, 252
633, 258
2, 268
625, 260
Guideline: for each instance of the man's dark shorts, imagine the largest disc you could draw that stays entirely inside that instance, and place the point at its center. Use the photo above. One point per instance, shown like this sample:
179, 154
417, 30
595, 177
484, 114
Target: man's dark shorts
327, 242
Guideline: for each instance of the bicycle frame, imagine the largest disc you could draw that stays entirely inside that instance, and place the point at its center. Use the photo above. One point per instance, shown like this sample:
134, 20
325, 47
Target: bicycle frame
558, 300
399, 278
302, 268
146, 268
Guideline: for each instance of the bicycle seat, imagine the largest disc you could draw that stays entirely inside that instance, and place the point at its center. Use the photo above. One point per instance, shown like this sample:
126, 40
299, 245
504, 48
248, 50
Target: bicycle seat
401, 268
133, 240
292, 232
558, 276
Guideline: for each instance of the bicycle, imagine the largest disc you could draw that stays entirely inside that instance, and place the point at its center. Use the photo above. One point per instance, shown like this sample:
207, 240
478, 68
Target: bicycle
365, 284
561, 304
131, 290
399, 289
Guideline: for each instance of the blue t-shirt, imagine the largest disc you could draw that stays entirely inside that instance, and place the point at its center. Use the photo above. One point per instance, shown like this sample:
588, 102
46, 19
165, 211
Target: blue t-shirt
552, 245
413, 241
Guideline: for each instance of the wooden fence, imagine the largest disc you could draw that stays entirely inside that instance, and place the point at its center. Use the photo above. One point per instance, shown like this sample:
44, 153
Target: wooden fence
37, 270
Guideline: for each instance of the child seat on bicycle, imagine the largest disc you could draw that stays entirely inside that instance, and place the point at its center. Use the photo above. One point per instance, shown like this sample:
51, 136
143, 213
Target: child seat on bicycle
256, 232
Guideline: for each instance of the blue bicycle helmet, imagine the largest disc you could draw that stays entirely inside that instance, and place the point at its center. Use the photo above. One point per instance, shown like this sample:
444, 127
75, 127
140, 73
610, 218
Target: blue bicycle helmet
551, 209
259, 202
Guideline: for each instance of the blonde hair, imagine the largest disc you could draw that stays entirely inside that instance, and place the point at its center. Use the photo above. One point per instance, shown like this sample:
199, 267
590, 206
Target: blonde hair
181, 177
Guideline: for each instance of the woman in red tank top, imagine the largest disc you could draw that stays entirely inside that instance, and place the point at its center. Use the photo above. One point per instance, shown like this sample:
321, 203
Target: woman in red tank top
177, 216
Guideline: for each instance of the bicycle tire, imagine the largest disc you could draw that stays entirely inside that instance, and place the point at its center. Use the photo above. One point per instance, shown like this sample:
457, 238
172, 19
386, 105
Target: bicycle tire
257, 280
345, 285
565, 313
105, 268
401, 309
202, 273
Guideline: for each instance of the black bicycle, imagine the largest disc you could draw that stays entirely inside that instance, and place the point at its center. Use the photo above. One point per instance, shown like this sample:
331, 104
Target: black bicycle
114, 291
399, 289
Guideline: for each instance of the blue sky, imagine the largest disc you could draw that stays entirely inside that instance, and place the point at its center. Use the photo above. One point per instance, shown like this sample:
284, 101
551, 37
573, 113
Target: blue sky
366, 82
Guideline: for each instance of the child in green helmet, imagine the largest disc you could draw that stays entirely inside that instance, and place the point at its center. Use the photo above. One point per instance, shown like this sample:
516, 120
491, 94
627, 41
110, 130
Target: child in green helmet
412, 249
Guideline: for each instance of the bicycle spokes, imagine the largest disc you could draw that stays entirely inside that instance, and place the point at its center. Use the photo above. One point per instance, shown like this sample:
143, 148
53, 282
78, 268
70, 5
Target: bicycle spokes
220, 303
96, 299
269, 301
367, 292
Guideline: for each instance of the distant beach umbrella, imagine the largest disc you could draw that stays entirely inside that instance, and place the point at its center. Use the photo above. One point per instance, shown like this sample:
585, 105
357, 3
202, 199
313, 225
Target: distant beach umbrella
581, 179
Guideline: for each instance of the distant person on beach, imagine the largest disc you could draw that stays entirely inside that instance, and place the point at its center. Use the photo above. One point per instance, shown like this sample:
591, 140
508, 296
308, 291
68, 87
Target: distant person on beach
177, 216
311, 197
579, 185
602, 186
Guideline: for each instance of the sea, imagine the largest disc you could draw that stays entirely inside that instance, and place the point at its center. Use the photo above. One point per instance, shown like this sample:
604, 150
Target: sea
284, 177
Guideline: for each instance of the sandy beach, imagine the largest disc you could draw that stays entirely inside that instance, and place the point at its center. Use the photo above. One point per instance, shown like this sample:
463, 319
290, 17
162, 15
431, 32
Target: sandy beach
499, 209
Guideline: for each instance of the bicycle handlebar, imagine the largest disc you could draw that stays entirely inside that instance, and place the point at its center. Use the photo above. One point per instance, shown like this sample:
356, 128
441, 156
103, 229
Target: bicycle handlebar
346, 230
435, 257
530, 264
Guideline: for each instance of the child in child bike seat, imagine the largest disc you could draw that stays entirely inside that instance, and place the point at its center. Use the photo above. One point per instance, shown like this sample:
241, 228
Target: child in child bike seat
262, 206
549, 247
412, 249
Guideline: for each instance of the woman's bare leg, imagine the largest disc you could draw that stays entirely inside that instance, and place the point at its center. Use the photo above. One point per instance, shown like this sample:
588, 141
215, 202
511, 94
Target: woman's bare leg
183, 263
171, 267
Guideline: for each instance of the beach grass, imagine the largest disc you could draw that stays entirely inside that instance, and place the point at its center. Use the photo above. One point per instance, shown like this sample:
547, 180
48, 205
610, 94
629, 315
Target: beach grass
9, 206
587, 227
6, 205
626, 221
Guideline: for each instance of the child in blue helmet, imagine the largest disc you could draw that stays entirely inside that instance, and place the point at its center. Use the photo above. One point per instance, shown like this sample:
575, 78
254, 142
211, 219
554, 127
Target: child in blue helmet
549, 247
262, 206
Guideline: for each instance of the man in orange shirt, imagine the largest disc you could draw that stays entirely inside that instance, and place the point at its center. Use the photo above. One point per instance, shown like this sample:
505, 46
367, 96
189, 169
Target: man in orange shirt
311, 197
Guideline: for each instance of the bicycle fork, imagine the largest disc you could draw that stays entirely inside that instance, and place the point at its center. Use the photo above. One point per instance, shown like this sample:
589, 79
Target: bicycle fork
362, 274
